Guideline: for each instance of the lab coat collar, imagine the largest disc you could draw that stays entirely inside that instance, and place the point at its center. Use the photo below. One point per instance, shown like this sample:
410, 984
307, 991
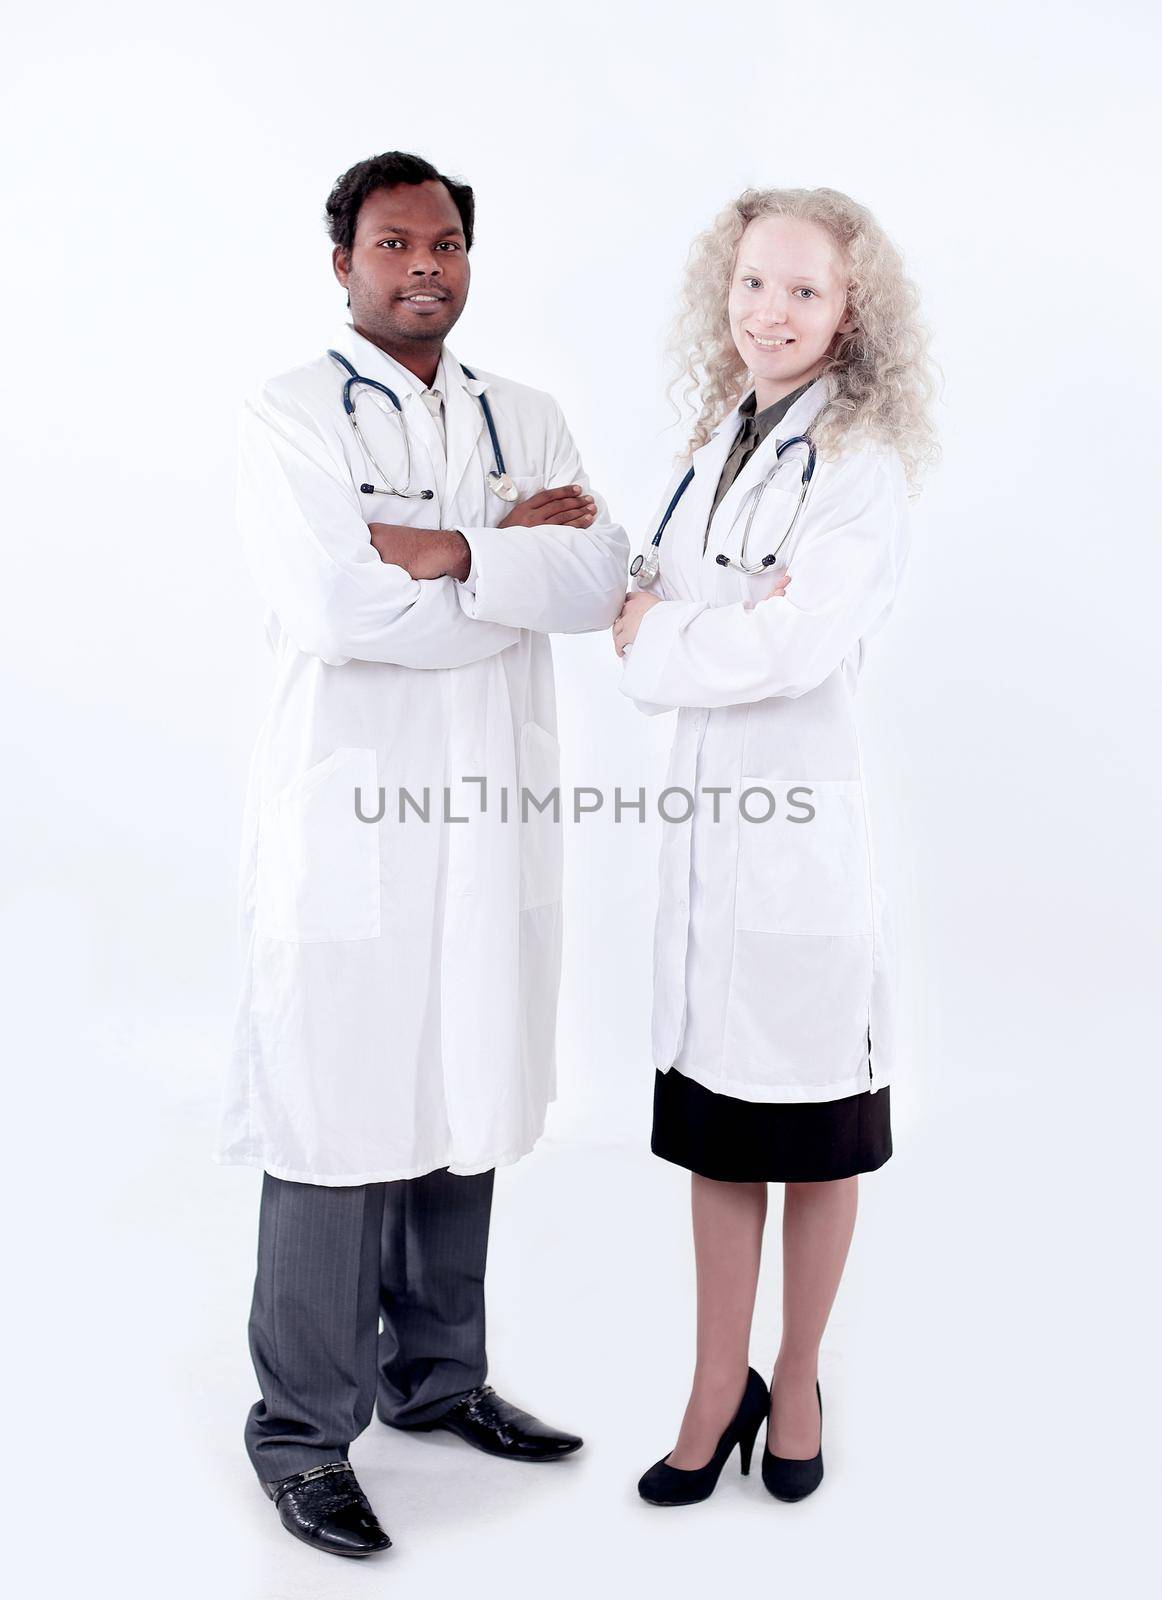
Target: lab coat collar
708, 461
372, 362
797, 420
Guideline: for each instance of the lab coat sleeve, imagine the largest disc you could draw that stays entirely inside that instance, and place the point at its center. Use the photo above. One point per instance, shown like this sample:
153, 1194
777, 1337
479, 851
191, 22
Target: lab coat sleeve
844, 576
312, 559
548, 578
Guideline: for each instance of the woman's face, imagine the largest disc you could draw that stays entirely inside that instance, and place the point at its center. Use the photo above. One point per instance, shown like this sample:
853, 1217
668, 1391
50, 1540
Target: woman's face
788, 299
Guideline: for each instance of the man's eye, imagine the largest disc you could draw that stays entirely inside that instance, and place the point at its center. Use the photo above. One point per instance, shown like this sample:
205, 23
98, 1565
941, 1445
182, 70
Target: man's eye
391, 242
447, 244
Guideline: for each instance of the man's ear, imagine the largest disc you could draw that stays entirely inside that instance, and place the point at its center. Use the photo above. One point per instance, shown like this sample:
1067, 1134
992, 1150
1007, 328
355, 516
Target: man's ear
341, 267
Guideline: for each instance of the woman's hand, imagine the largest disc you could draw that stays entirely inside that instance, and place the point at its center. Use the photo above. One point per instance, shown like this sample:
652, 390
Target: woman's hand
638, 602
780, 587
630, 616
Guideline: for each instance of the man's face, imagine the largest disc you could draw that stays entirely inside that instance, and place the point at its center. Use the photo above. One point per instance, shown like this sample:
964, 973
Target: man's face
407, 272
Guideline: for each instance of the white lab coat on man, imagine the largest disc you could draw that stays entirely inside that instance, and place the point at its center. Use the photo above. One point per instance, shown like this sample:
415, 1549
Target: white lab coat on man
398, 1002
773, 963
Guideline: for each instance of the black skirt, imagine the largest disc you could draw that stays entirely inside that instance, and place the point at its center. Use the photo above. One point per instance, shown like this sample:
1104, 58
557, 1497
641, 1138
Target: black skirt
744, 1141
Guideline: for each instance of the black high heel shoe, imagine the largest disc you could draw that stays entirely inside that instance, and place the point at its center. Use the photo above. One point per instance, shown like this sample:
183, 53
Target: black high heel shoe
788, 1478
663, 1485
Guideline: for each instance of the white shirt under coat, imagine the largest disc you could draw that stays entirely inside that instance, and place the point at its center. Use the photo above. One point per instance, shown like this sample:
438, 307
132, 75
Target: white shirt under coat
398, 1003
773, 956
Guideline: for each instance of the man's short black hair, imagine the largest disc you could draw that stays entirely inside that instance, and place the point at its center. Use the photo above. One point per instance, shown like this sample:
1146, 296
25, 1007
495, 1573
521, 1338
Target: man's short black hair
384, 172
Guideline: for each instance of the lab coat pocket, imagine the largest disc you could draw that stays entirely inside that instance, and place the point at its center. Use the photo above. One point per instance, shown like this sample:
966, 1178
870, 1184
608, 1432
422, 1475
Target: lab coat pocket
318, 862
526, 484
541, 846
804, 873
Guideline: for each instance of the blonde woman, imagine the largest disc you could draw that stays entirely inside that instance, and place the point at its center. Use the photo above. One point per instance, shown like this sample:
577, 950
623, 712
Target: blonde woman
770, 565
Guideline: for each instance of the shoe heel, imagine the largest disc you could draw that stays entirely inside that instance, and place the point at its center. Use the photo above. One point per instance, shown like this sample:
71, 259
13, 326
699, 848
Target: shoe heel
746, 1445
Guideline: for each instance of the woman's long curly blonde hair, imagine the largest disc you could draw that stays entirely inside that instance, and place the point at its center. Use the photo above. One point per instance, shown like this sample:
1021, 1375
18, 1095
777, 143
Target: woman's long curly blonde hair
881, 368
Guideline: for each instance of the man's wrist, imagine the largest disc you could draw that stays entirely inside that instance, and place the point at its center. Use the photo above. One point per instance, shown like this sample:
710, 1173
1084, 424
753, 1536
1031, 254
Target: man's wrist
459, 554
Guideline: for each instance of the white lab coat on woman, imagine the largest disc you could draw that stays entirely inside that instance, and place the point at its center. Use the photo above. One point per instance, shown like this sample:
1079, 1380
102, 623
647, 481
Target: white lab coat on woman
772, 951
398, 1002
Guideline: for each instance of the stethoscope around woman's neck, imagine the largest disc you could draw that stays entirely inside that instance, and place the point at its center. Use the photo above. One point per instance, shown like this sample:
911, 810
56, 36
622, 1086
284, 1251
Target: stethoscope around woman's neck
644, 567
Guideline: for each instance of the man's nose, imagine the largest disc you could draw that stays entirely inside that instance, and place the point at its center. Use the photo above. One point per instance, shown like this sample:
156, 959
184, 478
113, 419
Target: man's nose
425, 264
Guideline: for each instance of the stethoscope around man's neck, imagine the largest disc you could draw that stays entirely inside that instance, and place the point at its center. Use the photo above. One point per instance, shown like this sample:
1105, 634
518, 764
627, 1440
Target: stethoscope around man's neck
498, 481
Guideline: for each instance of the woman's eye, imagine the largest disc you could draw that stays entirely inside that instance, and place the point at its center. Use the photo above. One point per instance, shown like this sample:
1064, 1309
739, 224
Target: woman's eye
752, 283
805, 290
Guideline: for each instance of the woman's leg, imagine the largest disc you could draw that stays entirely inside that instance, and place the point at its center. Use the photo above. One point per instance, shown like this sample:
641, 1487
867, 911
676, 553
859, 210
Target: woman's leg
728, 1236
818, 1221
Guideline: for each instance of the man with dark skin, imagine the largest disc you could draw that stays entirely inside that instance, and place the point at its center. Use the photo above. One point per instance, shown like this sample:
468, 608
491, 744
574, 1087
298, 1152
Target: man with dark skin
395, 1040
407, 278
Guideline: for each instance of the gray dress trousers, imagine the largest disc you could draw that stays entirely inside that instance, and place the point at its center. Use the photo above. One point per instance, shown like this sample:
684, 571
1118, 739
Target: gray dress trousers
331, 1262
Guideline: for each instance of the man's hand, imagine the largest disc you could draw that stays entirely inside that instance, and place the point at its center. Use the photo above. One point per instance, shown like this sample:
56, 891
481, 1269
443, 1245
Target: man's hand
568, 508
422, 552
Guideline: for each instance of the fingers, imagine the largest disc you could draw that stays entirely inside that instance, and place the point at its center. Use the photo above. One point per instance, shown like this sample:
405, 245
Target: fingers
551, 505
577, 519
779, 589
544, 497
562, 510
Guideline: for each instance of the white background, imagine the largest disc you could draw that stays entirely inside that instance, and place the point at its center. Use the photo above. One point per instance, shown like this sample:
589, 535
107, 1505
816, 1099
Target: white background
986, 1375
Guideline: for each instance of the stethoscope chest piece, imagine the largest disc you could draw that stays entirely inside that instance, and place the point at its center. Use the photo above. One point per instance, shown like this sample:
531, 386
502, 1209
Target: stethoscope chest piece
645, 567
502, 485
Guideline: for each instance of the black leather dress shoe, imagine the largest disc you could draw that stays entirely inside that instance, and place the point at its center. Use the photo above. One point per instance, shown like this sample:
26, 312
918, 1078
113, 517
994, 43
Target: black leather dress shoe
497, 1427
325, 1507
